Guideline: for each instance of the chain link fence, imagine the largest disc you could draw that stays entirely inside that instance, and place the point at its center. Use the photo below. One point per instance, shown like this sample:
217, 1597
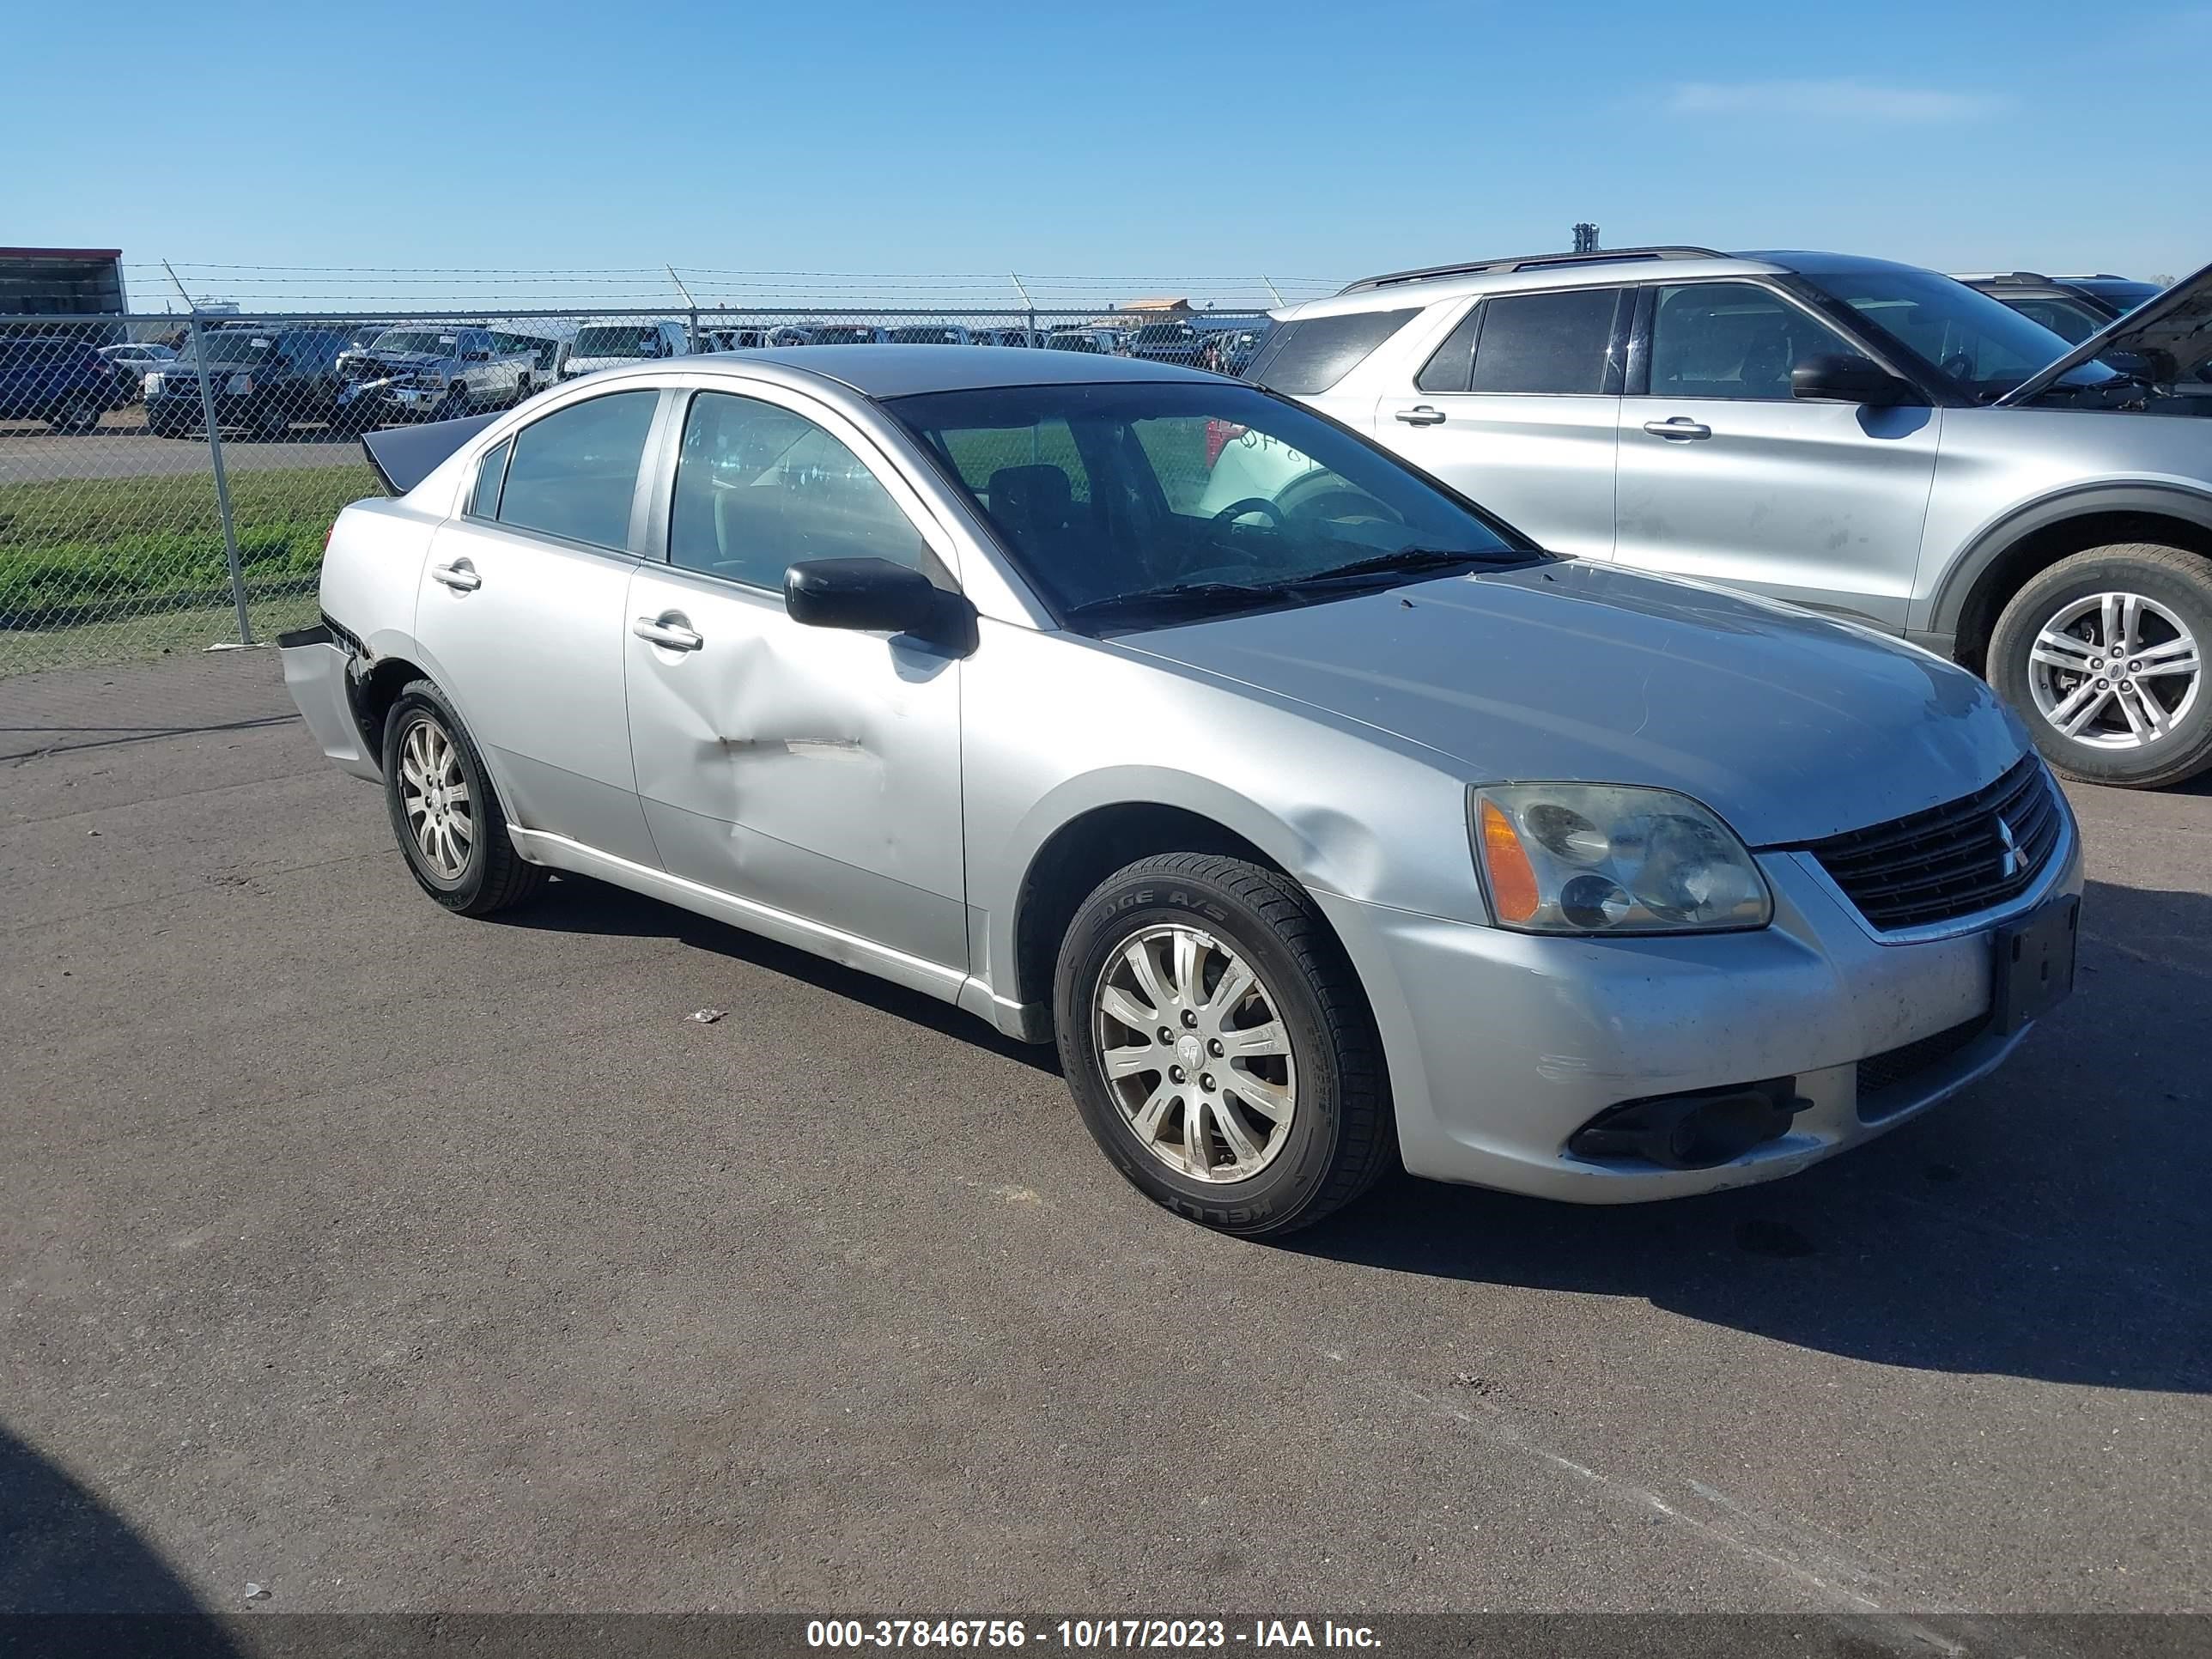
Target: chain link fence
166, 482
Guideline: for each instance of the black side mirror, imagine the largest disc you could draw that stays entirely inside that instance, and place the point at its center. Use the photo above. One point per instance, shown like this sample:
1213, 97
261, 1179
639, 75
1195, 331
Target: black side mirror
1844, 377
876, 596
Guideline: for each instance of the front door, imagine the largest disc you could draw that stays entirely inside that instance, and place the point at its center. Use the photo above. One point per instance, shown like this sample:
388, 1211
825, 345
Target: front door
814, 771
1724, 474
522, 615
1518, 410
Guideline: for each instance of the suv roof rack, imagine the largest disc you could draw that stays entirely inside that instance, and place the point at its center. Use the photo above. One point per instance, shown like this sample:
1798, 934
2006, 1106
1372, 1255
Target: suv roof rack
1532, 262
2002, 276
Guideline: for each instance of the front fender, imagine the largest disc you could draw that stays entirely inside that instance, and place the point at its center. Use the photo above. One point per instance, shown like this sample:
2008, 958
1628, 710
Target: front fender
2164, 497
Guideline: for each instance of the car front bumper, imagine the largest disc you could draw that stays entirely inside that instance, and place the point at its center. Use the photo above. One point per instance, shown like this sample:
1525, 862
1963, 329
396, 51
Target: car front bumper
1502, 1045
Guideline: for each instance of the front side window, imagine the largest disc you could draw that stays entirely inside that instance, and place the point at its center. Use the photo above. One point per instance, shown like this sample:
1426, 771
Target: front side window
573, 474
1981, 342
1191, 495
1731, 340
1560, 343
760, 489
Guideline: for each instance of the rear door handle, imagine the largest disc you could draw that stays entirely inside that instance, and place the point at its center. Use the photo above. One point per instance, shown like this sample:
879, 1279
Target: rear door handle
1421, 415
1677, 426
460, 576
673, 636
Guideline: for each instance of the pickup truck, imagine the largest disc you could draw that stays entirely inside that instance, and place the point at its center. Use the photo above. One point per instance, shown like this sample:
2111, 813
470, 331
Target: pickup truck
417, 372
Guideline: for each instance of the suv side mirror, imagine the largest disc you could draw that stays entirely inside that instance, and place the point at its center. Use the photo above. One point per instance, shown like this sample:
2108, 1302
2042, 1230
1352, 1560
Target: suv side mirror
876, 596
1844, 377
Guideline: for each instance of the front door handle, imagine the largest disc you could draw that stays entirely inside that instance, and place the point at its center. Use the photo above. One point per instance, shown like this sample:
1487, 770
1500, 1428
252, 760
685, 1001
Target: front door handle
1677, 426
460, 576
666, 632
1421, 415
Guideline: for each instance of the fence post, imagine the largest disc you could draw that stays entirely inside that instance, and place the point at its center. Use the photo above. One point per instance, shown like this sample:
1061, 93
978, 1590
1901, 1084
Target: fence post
221, 484
688, 301
1015, 277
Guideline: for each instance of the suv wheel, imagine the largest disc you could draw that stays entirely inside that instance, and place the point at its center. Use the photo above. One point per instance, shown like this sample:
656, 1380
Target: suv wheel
2103, 656
1218, 1046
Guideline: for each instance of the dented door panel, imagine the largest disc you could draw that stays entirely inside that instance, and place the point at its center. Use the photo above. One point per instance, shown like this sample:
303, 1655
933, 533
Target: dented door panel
810, 769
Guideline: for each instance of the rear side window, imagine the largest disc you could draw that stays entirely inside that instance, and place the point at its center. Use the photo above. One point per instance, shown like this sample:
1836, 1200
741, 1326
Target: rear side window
1546, 342
1449, 369
483, 499
574, 473
1313, 354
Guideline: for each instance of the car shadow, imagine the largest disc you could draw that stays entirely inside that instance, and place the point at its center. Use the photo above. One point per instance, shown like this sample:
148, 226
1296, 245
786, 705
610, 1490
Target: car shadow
2045, 1223
578, 904
77, 1577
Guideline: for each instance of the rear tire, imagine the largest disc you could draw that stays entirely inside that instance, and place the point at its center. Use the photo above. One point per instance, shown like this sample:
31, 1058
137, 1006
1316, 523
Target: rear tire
443, 811
2049, 657
1281, 1081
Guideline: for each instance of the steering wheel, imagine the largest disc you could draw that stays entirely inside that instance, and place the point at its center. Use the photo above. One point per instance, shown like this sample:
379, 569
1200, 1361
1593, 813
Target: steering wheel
1959, 366
1236, 510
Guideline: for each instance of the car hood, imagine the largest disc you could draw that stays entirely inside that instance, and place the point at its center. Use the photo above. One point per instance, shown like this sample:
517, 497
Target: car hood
1791, 728
2172, 332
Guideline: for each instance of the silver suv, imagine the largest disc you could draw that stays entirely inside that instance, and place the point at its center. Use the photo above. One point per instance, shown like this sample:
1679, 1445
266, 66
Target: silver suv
1869, 440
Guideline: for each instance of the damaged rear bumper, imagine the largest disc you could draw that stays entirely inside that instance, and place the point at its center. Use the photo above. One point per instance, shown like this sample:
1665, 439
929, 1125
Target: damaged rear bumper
318, 673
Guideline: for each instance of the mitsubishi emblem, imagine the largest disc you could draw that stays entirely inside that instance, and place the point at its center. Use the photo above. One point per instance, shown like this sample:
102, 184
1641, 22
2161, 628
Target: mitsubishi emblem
2009, 862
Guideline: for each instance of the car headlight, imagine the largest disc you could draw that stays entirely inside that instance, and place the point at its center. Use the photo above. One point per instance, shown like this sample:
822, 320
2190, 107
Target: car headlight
151, 385
239, 386
1599, 858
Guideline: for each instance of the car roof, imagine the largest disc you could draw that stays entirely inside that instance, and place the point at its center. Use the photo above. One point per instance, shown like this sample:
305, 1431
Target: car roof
900, 371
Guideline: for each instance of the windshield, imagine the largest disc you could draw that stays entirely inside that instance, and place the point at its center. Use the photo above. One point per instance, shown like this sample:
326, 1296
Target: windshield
410, 340
845, 334
1976, 340
1103, 491
932, 334
236, 345
616, 340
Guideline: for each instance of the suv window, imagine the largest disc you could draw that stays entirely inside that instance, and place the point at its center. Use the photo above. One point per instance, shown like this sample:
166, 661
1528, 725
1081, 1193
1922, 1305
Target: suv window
1449, 368
575, 472
1731, 340
758, 489
1312, 355
1559, 342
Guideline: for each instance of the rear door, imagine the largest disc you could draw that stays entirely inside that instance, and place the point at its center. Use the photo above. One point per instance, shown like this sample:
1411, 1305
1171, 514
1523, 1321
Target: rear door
812, 771
1725, 475
1519, 409
521, 614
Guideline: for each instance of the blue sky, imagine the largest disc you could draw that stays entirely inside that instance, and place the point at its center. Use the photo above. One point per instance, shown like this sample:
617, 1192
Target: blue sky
1303, 140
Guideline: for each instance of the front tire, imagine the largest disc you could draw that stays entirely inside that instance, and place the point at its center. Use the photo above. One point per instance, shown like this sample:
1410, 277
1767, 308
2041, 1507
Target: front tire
2102, 656
443, 811
1218, 1045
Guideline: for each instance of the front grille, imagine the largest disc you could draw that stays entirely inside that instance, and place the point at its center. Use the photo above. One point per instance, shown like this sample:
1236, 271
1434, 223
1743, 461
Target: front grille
1950, 860
1901, 1065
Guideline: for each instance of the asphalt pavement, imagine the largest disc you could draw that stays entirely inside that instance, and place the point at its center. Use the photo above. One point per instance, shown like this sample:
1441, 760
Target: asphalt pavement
387, 1260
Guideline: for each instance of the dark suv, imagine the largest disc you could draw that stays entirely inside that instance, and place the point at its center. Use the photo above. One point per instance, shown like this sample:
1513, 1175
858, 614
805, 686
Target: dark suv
263, 380
2072, 308
63, 382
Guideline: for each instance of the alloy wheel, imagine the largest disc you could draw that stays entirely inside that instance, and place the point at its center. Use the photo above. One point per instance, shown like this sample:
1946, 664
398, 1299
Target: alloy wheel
1194, 1053
434, 792
2114, 671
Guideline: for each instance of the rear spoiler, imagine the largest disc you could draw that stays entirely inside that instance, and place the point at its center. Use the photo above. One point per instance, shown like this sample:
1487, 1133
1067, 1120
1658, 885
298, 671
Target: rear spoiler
405, 455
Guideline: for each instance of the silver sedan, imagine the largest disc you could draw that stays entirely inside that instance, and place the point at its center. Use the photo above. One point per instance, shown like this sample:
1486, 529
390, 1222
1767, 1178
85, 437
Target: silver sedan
1322, 831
